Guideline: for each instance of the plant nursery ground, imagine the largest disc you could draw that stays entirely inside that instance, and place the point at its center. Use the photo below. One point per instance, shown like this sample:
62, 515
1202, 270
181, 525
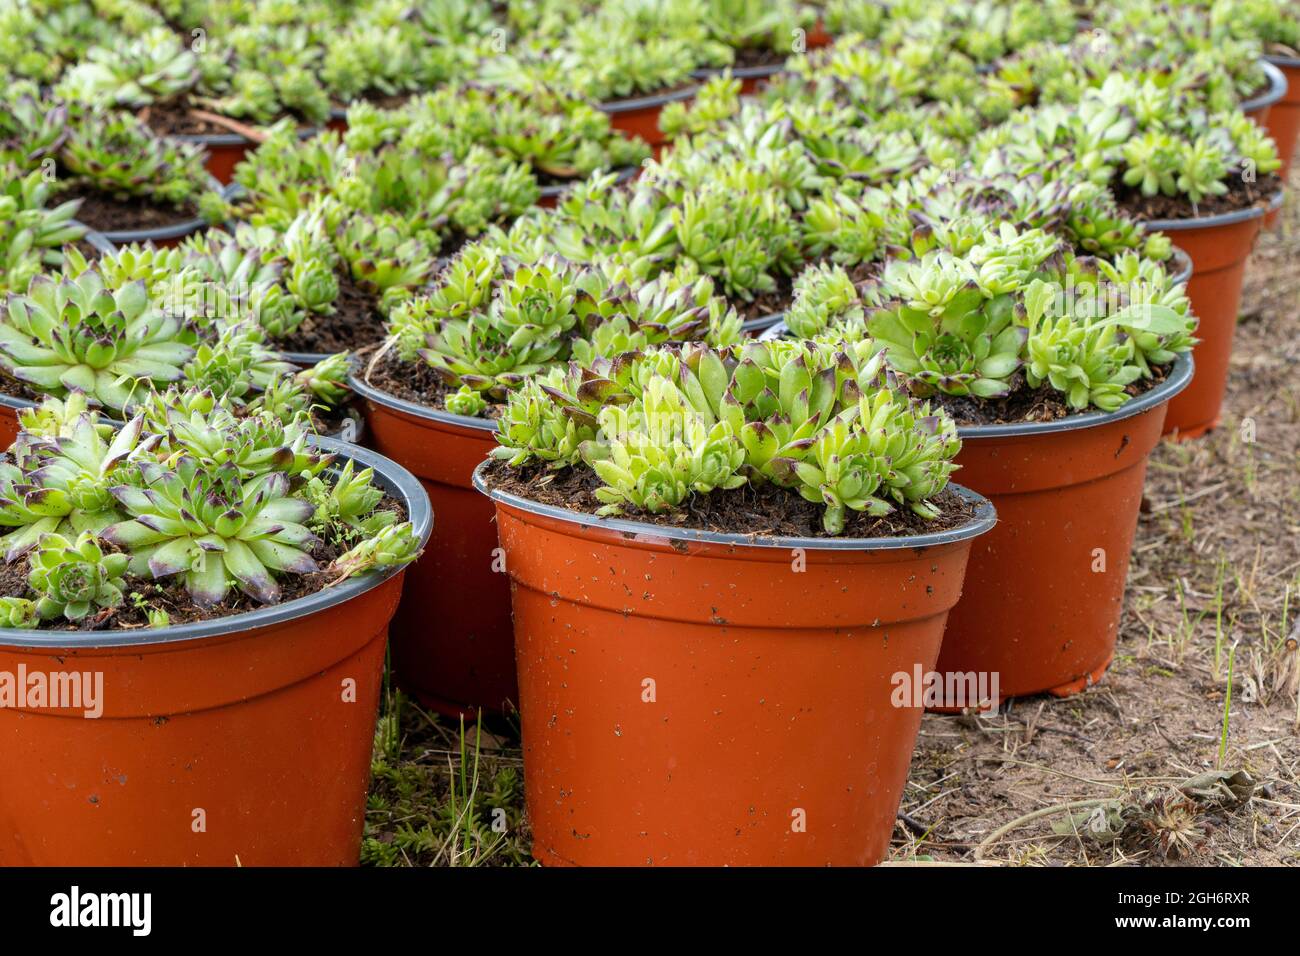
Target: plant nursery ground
1094, 780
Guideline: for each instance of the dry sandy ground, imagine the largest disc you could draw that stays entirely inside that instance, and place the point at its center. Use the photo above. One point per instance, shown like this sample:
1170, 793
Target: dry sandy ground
1216, 562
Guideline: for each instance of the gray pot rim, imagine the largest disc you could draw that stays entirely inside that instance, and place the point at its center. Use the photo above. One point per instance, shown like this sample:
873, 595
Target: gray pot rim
1183, 261
1257, 211
760, 72
632, 104
392, 477
1279, 60
625, 174
984, 519
1179, 378
178, 230
1276, 88
369, 392
234, 139
97, 240
763, 322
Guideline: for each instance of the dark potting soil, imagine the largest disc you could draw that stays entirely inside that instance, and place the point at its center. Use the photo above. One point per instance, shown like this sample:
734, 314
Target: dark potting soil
15, 388
412, 381
766, 510
176, 118
145, 594
105, 213
1240, 195
354, 323
1024, 404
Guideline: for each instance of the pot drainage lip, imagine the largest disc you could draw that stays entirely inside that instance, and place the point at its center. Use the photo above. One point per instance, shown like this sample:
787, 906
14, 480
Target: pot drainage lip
983, 520
394, 479
1178, 379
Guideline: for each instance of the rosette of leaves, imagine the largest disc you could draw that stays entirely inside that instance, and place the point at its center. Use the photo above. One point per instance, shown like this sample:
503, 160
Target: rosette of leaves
32, 233
825, 298
214, 529
274, 72
60, 479
80, 334
222, 436
672, 422
114, 153
942, 332
136, 71
74, 578
32, 127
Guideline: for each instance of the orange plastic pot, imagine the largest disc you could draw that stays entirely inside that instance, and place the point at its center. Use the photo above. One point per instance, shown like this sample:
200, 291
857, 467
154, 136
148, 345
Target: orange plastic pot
226, 150
1284, 119
1260, 107
639, 116
243, 740
1219, 247
452, 644
1045, 588
690, 698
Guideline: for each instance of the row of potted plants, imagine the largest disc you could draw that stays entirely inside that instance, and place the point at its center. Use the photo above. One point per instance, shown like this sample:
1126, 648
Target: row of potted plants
707, 540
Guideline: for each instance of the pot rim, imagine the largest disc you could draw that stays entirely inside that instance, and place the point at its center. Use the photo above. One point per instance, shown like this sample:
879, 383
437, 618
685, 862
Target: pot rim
177, 230
97, 240
234, 139
984, 519
1179, 377
395, 479
651, 101
1281, 61
1276, 88
380, 397
1231, 218
760, 72
625, 174
763, 322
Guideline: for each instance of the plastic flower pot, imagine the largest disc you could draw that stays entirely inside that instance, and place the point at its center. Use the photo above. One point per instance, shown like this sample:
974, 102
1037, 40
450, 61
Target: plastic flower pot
551, 193
225, 150
1258, 108
639, 116
1283, 121
693, 698
10, 408
757, 326
242, 740
1219, 247
452, 643
99, 242
1044, 590
750, 76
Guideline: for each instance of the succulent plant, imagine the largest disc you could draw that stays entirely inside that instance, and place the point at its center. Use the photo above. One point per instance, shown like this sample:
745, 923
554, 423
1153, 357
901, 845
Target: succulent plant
666, 423
31, 232
213, 528
114, 153
80, 334
18, 612
74, 578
